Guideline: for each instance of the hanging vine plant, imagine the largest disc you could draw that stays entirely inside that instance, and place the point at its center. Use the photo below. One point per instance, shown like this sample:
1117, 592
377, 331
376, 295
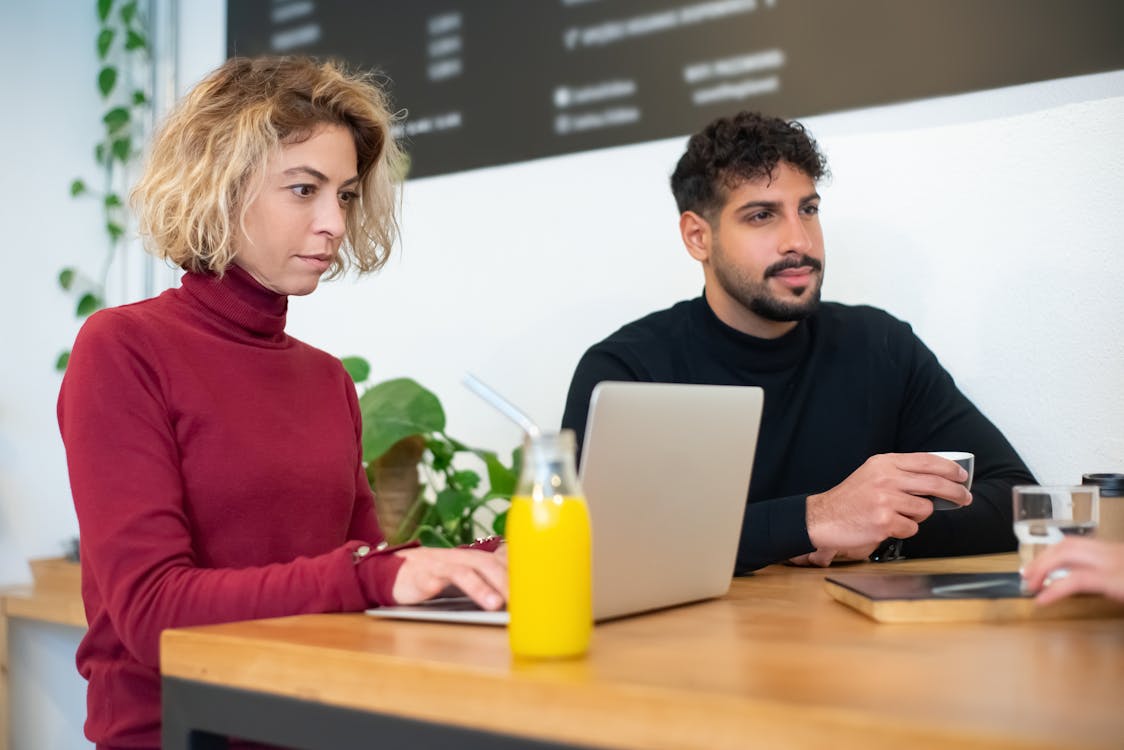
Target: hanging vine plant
124, 64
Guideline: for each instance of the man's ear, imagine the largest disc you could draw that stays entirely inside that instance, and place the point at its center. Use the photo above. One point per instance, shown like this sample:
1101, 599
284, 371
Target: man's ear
696, 234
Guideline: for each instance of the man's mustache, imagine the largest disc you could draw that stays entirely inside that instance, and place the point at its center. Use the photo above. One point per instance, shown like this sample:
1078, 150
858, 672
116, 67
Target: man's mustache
794, 262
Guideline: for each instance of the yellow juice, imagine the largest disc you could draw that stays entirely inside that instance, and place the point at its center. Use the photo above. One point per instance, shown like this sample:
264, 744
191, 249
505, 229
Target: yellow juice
549, 569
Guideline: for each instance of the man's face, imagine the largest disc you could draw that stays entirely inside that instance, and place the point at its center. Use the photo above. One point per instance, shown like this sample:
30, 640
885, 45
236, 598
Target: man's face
766, 249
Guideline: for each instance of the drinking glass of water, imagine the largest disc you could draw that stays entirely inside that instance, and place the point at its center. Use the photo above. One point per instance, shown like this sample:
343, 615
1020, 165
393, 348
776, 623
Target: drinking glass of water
1046, 515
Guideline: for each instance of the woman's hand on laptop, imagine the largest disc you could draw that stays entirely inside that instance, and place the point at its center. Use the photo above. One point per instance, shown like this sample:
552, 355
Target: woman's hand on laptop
428, 571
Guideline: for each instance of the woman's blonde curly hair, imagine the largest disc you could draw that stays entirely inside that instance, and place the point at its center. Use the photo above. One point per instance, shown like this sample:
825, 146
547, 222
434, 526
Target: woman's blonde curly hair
208, 161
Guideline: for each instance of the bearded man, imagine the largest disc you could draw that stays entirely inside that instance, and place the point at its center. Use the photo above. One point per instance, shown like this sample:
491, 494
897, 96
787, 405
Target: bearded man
854, 401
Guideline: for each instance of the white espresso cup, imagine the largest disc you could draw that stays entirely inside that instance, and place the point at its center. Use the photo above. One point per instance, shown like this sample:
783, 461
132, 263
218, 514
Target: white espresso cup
967, 462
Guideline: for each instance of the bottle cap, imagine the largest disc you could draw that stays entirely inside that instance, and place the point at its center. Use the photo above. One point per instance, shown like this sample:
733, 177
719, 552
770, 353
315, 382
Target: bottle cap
1112, 485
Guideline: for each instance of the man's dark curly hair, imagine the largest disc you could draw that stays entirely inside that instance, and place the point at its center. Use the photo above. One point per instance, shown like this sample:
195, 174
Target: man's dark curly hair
731, 150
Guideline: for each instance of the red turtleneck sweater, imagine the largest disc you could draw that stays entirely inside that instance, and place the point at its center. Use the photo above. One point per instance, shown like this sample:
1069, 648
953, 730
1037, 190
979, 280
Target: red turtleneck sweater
215, 464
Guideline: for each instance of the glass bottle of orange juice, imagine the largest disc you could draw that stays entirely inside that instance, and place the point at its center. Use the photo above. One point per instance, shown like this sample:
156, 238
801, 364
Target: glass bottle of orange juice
550, 599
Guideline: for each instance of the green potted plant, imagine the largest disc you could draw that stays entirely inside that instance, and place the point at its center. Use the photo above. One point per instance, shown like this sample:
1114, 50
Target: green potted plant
124, 69
423, 488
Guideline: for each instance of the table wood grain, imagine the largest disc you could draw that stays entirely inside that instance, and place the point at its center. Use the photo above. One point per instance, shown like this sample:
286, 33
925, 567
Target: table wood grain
775, 663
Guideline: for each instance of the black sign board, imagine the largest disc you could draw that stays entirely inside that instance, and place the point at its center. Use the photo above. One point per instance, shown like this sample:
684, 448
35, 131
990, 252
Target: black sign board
485, 82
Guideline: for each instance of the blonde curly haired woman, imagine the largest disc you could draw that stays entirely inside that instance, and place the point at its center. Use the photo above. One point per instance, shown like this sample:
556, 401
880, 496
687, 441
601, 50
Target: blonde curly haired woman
215, 461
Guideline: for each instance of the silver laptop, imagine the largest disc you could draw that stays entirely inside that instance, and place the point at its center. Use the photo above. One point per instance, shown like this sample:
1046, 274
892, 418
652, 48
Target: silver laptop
665, 469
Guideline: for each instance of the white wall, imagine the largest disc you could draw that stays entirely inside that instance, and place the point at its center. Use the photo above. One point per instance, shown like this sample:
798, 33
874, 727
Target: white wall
50, 116
990, 221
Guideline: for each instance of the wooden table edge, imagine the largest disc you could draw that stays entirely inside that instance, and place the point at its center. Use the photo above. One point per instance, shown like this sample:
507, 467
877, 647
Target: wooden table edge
731, 722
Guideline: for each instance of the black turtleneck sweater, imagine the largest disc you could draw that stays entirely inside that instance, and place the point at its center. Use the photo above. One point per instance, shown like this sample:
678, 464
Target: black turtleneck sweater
844, 385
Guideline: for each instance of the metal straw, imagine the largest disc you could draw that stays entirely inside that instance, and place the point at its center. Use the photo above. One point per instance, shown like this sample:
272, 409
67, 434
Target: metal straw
507, 408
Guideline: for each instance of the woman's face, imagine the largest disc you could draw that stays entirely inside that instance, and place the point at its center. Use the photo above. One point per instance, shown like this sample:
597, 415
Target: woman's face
294, 227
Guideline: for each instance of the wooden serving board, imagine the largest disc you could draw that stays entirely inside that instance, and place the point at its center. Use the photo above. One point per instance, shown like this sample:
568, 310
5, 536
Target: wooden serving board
955, 597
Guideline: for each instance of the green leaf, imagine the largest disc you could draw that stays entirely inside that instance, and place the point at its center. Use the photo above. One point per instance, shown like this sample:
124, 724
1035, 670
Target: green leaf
499, 523
451, 505
420, 512
77, 188
442, 453
465, 480
396, 409
429, 515
358, 368
139, 98
116, 118
432, 537
99, 153
104, 6
122, 148
89, 303
115, 230
112, 200
66, 277
63, 360
135, 40
128, 12
105, 40
501, 479
107, 79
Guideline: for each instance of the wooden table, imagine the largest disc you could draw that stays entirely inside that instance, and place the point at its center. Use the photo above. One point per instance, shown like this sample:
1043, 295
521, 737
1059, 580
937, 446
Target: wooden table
776, 663
55, 596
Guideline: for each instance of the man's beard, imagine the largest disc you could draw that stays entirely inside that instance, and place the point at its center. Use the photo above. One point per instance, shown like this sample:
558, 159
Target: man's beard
756, 296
